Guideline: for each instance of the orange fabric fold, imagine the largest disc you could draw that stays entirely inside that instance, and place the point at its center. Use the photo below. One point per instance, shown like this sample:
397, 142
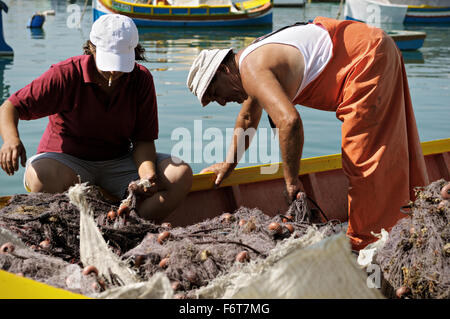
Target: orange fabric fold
365, 83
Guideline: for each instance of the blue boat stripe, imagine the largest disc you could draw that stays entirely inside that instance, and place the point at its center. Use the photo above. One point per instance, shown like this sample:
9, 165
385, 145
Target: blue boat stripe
199, 11
420, 20
142, 9
428, 9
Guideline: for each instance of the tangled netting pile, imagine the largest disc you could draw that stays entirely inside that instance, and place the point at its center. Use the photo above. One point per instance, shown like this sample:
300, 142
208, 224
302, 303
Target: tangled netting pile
416, 257
189, 256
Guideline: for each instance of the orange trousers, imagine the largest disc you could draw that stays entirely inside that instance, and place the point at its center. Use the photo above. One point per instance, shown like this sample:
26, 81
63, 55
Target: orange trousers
365, 84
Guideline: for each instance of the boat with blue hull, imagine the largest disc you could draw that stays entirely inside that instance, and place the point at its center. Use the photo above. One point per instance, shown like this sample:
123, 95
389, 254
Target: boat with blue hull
189, 13
408, 40
427, 15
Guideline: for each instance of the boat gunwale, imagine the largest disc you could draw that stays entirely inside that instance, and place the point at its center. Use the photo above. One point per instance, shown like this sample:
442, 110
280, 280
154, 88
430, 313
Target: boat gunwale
249, 174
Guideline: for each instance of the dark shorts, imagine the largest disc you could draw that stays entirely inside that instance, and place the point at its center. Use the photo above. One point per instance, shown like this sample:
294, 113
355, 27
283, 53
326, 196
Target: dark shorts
112, 175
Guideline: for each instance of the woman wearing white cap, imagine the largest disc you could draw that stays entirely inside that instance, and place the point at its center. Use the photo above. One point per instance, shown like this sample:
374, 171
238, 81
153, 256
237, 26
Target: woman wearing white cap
103, 121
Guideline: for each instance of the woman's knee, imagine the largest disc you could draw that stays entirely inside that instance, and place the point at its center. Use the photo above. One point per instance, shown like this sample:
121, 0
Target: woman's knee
50, 176
182, 176
176, 176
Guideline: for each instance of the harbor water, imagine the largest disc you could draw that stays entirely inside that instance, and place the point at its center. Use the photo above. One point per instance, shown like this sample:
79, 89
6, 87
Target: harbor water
185, 128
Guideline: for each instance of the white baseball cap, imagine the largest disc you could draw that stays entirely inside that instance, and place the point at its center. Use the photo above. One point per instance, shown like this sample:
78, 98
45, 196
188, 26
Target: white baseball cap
115, 36
203, 70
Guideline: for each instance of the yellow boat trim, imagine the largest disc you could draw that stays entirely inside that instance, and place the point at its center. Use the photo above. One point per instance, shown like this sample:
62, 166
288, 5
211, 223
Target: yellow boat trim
17, 287
425, 6
436, 146
253, 174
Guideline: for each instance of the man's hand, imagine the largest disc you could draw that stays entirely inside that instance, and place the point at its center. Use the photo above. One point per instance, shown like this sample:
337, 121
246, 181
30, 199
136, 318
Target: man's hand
293, 190
221, 170
10, 152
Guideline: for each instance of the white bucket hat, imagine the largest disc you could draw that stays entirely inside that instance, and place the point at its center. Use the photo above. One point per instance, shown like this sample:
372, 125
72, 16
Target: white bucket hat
203, 70
115, 36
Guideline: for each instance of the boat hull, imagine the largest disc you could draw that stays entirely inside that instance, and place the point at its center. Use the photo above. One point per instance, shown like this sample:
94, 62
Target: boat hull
425, 15
322, 177
263, 16
408, 40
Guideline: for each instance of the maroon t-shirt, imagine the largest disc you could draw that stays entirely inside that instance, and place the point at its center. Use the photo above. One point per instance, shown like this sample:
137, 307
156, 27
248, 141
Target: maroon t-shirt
83, 120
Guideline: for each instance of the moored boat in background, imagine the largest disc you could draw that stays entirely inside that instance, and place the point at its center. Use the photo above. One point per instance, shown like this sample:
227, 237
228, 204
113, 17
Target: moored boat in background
398, 11
189, 13
408, 40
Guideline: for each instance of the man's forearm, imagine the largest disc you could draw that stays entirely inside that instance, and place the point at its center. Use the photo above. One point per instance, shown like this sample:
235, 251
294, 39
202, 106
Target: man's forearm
244, 130
291, 144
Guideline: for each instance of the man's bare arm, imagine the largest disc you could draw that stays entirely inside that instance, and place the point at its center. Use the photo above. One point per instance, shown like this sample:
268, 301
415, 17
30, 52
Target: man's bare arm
248, 117
263, 85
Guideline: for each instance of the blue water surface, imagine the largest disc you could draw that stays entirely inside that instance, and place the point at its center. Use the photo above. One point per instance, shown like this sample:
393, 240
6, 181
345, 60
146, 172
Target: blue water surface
170, 53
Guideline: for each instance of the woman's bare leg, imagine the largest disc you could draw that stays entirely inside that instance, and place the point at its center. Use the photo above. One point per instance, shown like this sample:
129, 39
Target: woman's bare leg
174, 183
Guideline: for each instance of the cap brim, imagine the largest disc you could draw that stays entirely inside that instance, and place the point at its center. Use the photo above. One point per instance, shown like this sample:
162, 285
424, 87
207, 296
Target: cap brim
107, 61
203, 70
214, 66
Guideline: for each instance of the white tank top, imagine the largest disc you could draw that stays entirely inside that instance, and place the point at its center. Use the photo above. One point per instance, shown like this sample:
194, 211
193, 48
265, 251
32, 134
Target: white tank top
314, 43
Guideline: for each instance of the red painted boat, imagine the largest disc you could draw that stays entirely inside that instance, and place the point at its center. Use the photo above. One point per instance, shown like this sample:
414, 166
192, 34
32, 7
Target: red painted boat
322, 177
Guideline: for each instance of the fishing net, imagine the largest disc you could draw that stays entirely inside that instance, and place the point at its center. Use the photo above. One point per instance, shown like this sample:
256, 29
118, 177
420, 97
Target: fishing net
189, 257
415, 260
192, 256
50, 224
216, 257
313, 266
50, 270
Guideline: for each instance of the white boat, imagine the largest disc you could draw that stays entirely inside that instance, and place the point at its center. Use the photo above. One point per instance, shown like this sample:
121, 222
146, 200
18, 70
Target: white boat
376, 12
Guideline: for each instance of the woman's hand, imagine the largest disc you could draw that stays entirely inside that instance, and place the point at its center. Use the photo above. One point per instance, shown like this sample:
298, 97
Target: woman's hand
221, 170
10, 152
144, 186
